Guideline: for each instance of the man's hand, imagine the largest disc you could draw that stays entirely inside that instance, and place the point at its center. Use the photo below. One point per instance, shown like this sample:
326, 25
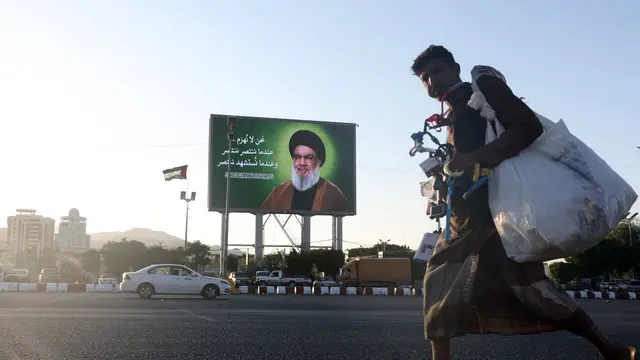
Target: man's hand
461, 162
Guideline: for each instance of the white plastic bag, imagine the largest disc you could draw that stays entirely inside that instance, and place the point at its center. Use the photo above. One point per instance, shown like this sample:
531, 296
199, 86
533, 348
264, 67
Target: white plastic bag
424, 252
555, 199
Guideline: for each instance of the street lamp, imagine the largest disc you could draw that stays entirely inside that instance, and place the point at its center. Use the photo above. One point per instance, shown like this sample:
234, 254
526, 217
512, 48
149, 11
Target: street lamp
384, 245
231, 126
192, 197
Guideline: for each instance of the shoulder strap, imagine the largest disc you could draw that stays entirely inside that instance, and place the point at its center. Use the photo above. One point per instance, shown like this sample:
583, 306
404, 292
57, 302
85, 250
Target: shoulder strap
484, 70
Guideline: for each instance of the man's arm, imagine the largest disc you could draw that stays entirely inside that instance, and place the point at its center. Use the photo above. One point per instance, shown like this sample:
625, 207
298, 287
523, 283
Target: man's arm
522, 126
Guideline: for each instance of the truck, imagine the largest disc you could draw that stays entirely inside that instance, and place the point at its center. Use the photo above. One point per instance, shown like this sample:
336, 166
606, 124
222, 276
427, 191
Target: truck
278, 278
376, 272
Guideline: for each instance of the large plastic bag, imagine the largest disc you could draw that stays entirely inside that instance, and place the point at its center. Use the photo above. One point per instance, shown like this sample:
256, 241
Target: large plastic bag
557, 198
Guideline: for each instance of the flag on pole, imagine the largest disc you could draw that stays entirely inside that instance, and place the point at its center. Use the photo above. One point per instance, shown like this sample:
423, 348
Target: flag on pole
179, 172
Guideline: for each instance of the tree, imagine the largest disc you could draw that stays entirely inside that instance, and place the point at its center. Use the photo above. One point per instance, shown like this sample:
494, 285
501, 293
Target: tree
232, 263
71, 269
121, 256
198, 254
91, 261
390, 250
272, 261
252, 266
327, 261
563, 272
616, 255
159, 254
47, 258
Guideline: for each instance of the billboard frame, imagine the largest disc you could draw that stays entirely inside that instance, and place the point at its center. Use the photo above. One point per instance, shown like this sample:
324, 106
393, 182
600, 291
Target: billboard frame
221, 210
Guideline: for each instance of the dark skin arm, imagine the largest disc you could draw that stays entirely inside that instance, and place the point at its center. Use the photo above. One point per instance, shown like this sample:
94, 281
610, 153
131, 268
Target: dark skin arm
522, 127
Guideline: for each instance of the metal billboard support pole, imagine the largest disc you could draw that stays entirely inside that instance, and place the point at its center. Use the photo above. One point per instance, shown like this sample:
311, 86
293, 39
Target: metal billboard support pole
338, 233
306, 233
225, 228
183, 196
259, 236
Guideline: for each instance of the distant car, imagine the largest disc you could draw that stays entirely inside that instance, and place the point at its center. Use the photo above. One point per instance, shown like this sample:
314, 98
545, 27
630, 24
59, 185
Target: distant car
172, 279
325, 281
17, 275
108, 279
241, 278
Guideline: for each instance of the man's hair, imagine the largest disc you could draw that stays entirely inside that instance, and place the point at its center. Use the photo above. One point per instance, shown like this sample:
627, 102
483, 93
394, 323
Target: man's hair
433, 52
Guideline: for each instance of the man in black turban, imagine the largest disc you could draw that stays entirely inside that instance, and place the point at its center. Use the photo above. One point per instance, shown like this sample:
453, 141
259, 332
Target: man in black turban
306, 191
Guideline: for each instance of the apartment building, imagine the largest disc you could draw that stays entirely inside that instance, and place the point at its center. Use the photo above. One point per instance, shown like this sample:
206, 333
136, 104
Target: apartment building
28, 231
72, 233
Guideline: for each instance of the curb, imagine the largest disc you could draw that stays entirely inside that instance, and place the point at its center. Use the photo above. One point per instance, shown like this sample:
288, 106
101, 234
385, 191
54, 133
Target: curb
58, 287
281, 290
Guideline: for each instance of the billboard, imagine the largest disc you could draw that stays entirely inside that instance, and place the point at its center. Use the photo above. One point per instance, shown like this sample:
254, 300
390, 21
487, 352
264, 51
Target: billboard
283, 166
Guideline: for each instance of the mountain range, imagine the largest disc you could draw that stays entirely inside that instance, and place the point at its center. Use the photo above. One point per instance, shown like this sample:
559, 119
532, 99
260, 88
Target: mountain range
148, 237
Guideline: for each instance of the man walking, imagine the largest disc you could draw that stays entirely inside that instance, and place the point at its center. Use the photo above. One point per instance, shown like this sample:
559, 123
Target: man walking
471, 286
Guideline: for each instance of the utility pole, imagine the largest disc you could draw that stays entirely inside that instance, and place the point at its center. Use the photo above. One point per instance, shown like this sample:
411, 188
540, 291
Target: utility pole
384, 245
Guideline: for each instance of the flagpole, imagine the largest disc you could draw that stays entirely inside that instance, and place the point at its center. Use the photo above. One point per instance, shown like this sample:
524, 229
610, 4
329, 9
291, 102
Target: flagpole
186, 233
187, 198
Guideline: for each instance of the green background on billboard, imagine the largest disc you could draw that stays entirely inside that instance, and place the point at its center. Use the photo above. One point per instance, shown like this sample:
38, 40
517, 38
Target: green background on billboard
248, 194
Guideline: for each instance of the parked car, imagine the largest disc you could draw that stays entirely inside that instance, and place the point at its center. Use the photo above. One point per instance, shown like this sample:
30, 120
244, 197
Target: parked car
241, 278
17, 275
172, 279
277, 277
325, 281
634, 285
108, 279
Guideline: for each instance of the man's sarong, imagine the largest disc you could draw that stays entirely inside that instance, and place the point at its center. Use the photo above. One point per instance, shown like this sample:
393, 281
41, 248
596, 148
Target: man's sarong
472, 287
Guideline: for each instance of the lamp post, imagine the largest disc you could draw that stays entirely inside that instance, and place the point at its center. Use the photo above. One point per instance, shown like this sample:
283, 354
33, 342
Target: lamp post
231, 126
384, 245
192, 197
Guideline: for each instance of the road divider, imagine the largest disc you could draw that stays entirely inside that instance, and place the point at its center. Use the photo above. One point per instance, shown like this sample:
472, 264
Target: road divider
284, 290
58, 287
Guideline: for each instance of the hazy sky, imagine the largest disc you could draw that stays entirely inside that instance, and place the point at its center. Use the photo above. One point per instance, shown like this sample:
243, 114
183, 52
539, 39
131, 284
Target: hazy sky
97, 98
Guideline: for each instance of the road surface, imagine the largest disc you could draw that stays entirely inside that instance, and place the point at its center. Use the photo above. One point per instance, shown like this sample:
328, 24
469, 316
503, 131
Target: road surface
48, 326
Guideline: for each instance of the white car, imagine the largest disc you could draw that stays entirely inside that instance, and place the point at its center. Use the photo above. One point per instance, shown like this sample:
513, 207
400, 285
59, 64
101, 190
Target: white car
107, 279
172, 279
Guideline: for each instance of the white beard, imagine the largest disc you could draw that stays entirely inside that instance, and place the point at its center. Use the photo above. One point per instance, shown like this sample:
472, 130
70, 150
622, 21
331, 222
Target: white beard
302, 183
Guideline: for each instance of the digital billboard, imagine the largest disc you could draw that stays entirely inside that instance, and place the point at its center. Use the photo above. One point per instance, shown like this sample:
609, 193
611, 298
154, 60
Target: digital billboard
283, 166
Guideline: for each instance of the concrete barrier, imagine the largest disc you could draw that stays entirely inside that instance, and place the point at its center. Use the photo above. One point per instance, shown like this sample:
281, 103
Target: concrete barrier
281, 290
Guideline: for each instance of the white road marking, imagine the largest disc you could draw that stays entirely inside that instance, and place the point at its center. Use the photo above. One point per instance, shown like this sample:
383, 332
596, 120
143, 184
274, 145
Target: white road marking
201, 317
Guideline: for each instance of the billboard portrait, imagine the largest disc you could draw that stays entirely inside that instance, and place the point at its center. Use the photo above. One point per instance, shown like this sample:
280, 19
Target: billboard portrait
283, 166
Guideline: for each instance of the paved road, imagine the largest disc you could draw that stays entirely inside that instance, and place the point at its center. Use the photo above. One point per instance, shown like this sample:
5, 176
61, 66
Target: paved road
114, 326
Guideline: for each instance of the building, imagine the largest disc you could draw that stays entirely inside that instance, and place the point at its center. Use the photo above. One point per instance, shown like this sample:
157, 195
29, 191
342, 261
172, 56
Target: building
72, 233
27, 231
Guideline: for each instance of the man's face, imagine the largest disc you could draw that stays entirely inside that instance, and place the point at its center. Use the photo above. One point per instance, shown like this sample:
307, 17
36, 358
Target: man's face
438, 77
304, 160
